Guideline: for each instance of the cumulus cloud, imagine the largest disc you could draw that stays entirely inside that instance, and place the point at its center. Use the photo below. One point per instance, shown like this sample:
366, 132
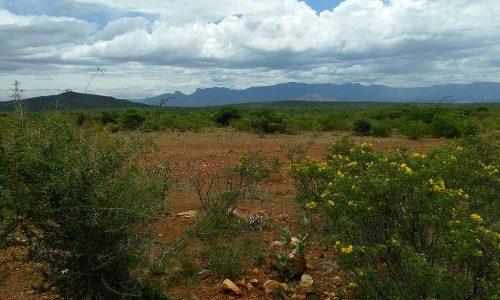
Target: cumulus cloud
251, 42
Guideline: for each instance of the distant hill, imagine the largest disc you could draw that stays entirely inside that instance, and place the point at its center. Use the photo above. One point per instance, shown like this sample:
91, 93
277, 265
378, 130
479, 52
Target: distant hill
352, 92
72, 101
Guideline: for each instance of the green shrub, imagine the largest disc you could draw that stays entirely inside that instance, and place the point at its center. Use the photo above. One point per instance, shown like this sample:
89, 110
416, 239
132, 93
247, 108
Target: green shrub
82, 206
267, 121
108, 117
410, 225
445, 126
333, 122
132, 119
362, 126
114, 128
82, 117
414, 129
226, 115
381, 129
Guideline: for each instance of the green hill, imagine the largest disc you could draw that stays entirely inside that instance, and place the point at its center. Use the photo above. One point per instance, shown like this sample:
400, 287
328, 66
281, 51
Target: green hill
71, 101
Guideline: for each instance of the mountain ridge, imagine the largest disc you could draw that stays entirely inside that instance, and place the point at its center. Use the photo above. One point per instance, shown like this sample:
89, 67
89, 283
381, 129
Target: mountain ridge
476, 92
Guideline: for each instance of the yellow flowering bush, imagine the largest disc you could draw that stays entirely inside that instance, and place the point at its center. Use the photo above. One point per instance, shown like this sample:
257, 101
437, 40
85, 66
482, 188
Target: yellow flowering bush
410, 225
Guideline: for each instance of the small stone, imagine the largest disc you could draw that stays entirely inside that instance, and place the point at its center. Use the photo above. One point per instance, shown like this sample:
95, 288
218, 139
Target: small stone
203, 273
256, 271
188, 214
229, 287
337, 281
254, 281
272, 285
306, 281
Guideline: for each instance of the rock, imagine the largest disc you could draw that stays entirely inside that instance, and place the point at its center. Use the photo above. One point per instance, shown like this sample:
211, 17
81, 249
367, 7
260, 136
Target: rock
306, 281
188, 214
254, 281
295, 241
271, 285
229, 287
203, 273
274, 249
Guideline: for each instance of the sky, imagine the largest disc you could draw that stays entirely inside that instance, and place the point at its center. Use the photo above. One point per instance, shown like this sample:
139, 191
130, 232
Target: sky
150, 47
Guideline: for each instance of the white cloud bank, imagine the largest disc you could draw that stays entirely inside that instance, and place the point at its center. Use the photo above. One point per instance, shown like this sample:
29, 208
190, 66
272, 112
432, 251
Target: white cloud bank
193, 43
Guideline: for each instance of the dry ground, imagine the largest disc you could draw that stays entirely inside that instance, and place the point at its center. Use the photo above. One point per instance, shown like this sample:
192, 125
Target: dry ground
214, 149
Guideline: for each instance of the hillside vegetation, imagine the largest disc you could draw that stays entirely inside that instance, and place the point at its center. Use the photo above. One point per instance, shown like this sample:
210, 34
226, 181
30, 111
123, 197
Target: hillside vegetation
70, 101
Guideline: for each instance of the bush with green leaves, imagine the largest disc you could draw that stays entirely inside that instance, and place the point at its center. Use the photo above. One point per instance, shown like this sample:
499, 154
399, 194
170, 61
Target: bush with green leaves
290, 257
451, 126
109, 117
132, 119
84, 205
410, 225
381, 129
414, 129
263, 121
226, 115
362, 126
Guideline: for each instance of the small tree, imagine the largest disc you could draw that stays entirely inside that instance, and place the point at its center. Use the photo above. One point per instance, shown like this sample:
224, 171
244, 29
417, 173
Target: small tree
362, 126
226, 115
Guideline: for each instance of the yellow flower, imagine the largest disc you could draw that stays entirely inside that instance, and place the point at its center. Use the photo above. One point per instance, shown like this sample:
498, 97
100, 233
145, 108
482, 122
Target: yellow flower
340, 174
453, 157
331, 203
460, 148
311, 205
441, 184
337, 243
322, 166
324, 194
407, 169
352, 164
347, 249
353, 187
418, 155
395, 242
476, 218
437, 187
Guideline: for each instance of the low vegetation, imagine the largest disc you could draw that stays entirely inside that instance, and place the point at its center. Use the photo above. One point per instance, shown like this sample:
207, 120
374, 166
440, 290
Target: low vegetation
413, 121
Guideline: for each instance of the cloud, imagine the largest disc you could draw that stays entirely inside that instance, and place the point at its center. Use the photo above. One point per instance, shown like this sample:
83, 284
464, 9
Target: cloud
121, 27
250, 42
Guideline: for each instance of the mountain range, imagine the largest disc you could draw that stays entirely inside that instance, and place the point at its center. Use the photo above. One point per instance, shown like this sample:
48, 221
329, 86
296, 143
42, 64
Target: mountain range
452, 93
479, 92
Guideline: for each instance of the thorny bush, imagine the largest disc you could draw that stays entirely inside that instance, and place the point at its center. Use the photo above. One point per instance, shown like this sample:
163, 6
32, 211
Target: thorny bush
82, 205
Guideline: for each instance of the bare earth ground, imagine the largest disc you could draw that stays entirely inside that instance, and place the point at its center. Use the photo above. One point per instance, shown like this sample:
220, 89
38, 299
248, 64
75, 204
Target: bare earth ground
215, 149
